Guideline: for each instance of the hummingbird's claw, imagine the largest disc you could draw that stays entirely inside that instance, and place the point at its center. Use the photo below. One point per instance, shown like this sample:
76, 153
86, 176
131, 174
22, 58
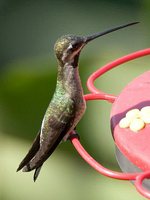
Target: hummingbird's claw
73, 134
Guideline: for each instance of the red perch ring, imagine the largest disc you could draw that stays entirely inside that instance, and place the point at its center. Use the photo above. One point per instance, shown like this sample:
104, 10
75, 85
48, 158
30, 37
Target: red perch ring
97, 94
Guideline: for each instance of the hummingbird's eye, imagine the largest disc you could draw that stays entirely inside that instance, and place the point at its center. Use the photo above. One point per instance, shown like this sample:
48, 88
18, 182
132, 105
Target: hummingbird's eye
75, 46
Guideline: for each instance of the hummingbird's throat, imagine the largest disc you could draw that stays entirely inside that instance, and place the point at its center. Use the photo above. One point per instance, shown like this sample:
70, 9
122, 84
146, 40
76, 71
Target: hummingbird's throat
71, 55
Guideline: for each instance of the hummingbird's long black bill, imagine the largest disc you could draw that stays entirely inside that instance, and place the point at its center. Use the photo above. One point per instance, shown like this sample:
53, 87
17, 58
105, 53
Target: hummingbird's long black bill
92, 37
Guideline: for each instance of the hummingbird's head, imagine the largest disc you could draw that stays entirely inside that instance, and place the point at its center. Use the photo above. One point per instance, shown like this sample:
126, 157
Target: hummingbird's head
67, 48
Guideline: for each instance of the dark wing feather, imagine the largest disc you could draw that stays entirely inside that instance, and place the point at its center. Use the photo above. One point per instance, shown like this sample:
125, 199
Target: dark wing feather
56, 126
33, 150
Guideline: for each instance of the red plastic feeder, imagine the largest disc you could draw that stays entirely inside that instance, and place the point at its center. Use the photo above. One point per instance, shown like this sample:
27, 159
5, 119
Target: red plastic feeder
132, 149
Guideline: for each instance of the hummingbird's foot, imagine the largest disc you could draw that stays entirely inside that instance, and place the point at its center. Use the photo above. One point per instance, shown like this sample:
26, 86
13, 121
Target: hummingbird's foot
69, 136
73, 134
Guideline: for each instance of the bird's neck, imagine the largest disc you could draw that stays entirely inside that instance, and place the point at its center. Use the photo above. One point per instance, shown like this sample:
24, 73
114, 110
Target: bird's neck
68, 79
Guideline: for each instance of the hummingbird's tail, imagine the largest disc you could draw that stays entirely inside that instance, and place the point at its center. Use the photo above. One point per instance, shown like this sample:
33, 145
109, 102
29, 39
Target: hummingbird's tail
39, 158
36, 173
33, 150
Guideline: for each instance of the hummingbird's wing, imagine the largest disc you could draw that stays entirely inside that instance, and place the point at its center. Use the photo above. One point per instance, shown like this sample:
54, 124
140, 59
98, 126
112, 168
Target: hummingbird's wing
33, 150
55, 125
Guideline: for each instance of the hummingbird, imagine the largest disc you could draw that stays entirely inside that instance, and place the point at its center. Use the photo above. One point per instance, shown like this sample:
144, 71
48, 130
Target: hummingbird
67, 105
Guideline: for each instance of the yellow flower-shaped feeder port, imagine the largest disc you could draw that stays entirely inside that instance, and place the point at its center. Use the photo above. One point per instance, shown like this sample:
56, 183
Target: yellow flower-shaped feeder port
136, 119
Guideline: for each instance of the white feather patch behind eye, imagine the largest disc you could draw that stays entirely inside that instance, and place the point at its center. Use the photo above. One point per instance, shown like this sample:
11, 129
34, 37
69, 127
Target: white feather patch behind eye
70, 46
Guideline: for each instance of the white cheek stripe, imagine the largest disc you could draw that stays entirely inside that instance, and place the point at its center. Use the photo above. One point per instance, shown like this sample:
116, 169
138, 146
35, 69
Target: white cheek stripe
70, 46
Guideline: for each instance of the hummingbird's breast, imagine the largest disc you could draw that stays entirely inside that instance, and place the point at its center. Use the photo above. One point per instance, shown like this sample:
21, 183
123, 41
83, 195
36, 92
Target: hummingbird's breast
74, 89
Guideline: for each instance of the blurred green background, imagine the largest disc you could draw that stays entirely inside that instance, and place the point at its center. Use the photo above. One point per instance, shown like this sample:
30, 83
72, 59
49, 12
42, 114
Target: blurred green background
28, 70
